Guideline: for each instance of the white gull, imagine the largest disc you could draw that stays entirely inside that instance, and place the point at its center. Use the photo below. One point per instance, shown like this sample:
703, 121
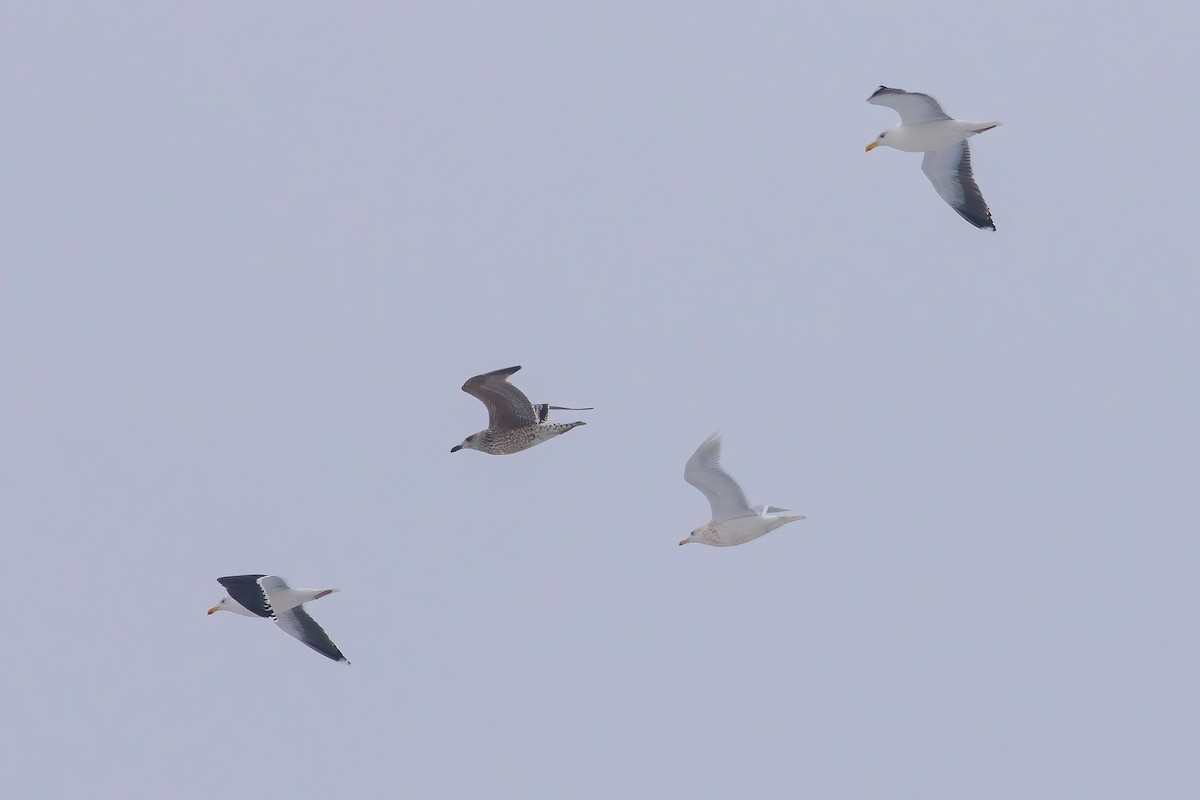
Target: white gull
733, 520
925, 128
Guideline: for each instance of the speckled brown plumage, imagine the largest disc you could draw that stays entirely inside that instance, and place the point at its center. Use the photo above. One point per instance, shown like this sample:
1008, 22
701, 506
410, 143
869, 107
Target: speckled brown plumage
514, 423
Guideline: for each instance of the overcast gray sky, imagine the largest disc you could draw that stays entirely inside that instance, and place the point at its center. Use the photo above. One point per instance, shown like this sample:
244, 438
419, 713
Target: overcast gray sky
252, 251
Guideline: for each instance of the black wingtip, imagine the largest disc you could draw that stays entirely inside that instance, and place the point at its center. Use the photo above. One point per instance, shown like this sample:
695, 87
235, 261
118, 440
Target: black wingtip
984, 223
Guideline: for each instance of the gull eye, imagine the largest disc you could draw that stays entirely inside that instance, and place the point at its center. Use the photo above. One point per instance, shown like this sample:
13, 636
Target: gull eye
882, 135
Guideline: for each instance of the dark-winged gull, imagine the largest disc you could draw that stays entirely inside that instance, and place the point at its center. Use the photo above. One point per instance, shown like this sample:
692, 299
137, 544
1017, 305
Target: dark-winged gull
733, 520
925, 128
514, 423
270, 596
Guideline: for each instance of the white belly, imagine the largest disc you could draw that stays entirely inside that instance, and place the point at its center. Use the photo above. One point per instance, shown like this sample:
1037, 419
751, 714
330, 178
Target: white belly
741, 530
928, 135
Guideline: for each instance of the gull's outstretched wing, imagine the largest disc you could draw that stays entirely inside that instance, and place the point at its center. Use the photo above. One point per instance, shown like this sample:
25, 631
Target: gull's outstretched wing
288, 614
298, 623
280, 595
507, 406
913, 107
704, 471
247, 593
949, 170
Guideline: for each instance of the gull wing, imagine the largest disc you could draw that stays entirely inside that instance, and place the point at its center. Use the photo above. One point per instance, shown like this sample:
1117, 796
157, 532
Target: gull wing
913, 107
949, 170
292, 619
507, 406
704, 471
298, 623
247, 593
280, 595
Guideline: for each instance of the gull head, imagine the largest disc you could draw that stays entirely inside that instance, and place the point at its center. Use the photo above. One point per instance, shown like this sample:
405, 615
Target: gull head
221, 606
878, 141
694, 536
469, 443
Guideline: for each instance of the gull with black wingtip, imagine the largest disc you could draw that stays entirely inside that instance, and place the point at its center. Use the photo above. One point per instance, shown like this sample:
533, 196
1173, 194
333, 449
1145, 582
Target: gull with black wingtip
270, 597
925, 128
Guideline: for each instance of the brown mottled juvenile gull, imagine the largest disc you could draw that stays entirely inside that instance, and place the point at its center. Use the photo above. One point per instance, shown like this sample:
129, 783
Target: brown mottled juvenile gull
733, 520
269, 596
514, 423
925, 128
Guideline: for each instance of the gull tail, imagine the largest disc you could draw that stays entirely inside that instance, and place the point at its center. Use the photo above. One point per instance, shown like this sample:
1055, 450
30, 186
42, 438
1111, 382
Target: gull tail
763, 511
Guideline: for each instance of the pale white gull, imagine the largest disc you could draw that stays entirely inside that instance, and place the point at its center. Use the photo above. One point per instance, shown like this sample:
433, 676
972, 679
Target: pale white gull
925, 128
514, 423
733, 520
269, 596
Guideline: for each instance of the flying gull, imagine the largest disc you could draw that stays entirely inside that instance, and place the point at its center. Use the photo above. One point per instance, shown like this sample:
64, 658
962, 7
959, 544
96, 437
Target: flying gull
514, 424
733, 520
270, 596
925, 128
